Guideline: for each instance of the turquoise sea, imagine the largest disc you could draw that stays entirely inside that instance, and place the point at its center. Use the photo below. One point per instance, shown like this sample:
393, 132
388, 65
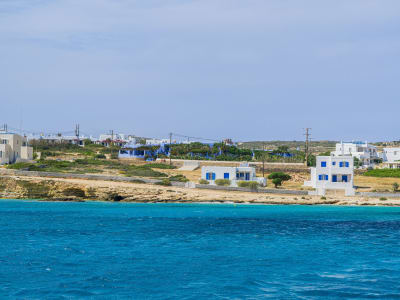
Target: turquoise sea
99, 250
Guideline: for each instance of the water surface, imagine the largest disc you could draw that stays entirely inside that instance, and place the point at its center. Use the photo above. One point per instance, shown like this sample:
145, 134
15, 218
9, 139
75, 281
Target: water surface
165, 251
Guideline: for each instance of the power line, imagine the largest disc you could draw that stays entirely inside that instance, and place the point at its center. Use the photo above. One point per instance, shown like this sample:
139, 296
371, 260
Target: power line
195, 138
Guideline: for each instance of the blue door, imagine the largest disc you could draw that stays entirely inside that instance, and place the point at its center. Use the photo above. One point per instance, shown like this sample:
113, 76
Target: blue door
213, 176
334, 178
344, 178
247, 176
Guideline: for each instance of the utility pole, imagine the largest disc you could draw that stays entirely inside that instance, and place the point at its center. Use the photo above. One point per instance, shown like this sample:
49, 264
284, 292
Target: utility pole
111, 143
170, 148
77, 133
307, 147
263, 159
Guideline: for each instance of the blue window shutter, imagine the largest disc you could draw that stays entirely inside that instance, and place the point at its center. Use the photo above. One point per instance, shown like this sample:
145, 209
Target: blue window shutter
334, 163
323, 164
320, 177
326, 177
226, 175
341, 164
213, 176
347, 164
208, 176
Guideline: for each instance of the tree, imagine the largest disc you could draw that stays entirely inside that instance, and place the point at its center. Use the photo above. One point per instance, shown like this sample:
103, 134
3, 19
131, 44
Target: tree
278, 178
282, 149
277, 182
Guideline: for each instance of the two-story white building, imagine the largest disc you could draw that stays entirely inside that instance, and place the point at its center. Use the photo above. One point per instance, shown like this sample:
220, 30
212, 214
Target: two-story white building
333, 173
391, 158
234, 174
365, 152
14, 148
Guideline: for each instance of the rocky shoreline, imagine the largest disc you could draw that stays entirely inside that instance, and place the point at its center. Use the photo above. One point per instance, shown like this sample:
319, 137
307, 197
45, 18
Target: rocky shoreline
64, 189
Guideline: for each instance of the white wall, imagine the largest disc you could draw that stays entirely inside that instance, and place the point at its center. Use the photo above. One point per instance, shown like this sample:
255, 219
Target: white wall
329, 173
391, 154
14, 150
219, 172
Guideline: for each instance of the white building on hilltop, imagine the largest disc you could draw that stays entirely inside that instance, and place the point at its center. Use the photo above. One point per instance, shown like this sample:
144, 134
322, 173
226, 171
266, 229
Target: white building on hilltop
333, 173
14, 148
234, 174
365, 152
391, 158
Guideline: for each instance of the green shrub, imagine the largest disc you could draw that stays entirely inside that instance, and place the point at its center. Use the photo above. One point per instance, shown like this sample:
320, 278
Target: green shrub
278, 178
203, 181
383, 198
248, 184
160, 166
164, 182
393, 173
395, 187
179, 178
100, 156
137, 181
277, 182
323, 198
223, 182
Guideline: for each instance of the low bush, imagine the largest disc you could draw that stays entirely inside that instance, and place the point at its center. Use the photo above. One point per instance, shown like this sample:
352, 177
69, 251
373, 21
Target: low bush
323, 198
248, 184
160, 166
203, 181
223, 182
395, 187
164, 182
179, 178
383, 198
393, 173
114, 156
100, 156
137, 181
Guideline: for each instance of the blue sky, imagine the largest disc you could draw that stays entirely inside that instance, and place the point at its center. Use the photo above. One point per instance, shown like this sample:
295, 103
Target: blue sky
248, 70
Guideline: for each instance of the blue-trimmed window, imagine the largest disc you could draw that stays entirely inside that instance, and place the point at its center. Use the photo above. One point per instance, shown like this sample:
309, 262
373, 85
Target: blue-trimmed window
341, 164
334, 163
323, 164
210, 176
226, 175
347, 164
323, 177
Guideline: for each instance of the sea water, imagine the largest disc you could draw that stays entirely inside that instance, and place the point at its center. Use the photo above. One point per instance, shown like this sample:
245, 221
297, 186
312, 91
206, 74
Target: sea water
97, 250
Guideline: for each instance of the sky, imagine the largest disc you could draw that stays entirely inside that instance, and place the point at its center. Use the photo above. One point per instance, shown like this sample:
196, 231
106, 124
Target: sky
240, 69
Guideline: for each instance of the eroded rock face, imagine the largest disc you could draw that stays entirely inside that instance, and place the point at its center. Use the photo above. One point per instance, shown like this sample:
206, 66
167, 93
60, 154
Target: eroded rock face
34, 188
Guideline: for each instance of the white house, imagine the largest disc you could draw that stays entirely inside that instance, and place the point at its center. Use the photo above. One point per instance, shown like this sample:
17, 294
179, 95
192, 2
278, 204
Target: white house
333, 173
391, 158
365, 152
14, 148
234, 174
